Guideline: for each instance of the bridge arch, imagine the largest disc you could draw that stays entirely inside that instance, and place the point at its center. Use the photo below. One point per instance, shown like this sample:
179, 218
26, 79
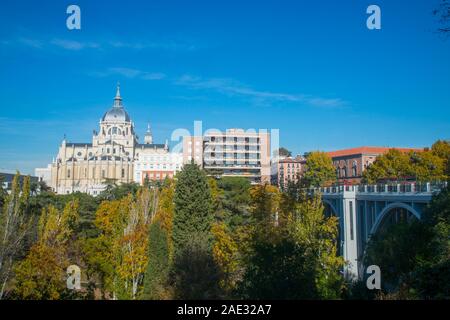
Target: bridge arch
332, 207
385, 212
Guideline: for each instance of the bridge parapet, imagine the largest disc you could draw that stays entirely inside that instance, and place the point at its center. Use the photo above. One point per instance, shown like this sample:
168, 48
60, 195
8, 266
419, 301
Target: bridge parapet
397, 188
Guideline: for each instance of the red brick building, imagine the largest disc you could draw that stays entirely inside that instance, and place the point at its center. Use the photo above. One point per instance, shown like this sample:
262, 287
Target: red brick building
351, 163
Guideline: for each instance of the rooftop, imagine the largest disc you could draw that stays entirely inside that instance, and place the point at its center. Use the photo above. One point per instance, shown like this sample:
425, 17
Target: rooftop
368, 150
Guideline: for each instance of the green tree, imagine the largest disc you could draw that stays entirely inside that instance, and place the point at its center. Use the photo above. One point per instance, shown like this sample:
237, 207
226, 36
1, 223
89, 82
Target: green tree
114, 191
275, 265
15, 223
318, 234
283, 152
430, 279
423, 166
193, 206
319, 170
3, 193
396, 250
393, 165
426, 167
156, 276
441, 149
414, 257
235, 201
292, 250
195, 274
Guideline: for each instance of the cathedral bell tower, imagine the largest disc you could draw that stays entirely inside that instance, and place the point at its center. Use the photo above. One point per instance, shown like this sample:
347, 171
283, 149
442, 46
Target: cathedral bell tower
148, 138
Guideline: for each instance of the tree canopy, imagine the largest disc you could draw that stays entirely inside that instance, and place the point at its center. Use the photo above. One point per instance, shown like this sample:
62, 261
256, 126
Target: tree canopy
319, 170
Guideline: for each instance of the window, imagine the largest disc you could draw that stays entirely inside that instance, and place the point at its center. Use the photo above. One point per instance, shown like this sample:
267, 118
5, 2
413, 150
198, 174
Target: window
68, 173
103, 174
123, 173
79, 154
93, 172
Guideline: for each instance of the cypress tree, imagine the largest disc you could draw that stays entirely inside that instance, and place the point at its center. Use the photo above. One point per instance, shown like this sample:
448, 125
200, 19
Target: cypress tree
158, 262
193, 207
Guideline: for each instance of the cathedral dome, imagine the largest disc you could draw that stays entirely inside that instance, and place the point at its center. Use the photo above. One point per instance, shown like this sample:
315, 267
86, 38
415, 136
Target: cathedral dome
117, 113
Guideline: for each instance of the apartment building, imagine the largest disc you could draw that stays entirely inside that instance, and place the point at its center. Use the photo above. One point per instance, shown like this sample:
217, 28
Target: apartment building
287, 169
235, 153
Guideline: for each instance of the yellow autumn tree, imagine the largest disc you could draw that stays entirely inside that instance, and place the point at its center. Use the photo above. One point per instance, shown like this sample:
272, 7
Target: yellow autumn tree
318, 234
124, 234
225, 251
41, 274
165, 211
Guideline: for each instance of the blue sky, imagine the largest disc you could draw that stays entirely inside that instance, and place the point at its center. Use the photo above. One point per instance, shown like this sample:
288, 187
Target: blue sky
309, 68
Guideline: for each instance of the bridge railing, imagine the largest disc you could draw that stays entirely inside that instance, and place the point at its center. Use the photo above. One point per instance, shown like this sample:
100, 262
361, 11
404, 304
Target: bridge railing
415, 187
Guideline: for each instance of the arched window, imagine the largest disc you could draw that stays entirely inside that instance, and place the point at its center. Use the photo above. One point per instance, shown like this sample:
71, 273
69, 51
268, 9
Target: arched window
344, 172
354, 168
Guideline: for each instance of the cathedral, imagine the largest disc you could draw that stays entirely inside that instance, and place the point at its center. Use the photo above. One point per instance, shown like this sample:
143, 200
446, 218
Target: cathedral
111, 156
